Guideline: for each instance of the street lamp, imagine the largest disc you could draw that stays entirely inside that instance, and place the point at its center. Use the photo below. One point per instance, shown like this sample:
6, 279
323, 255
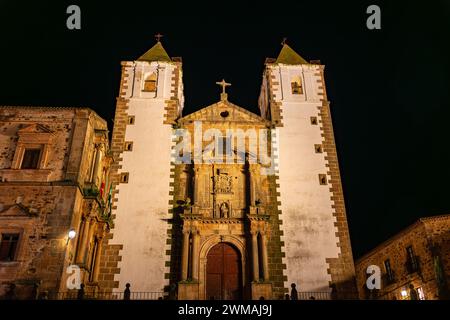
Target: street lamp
72, 234
404, 294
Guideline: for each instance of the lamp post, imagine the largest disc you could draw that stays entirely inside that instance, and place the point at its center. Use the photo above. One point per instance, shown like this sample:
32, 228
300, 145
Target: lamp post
404, 294
71, 235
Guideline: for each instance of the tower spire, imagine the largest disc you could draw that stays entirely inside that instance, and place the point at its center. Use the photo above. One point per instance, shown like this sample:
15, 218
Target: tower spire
289, 56
157, 52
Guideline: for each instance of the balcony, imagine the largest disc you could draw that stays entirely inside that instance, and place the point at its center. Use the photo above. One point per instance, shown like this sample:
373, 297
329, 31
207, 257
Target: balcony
388, 279
412, 265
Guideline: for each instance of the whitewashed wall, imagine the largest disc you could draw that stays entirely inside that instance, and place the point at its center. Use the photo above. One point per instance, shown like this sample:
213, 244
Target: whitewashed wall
143, 203
306, 206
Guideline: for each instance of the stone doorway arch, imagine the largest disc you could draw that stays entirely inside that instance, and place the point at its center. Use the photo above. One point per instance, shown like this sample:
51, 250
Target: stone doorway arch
223, 273
230, 244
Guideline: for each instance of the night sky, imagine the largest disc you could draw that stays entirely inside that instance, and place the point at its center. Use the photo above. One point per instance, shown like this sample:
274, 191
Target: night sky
389, 88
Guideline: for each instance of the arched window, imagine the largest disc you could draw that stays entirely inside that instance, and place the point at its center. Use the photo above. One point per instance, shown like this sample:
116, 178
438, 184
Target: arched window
150, 83
296, 85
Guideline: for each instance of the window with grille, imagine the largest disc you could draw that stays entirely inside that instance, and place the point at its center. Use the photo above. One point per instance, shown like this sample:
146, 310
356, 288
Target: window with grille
8, 246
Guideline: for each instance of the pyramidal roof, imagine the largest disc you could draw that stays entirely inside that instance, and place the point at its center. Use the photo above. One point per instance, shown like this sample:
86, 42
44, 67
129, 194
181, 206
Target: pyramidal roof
155, 53
289, 56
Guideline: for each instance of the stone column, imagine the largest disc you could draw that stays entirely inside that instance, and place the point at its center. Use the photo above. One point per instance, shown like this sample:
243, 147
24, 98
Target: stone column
93, 164
254, 181
255, 256
196, 185
92, 227
252, 184
98, 254
80, 238
83, 242
97, 166
185, 256
194, 258
264, 257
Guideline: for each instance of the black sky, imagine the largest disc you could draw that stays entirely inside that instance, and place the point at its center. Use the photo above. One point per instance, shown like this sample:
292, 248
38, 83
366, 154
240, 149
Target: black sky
389, 88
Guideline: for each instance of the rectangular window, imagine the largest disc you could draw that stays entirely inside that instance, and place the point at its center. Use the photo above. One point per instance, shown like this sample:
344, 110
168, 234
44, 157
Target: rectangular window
421, 293
124, 177
8, 246
411, 260
389, 273
226, 147
323, 179
31, 159
128, 146
318, 148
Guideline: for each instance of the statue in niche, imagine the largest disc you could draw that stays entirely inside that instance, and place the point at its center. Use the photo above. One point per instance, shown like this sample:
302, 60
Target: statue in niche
224, 210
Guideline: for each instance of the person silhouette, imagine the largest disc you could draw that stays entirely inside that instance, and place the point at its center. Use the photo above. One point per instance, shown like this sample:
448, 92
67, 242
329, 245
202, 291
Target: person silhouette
80, 294
413, 293
127, 292
294, 294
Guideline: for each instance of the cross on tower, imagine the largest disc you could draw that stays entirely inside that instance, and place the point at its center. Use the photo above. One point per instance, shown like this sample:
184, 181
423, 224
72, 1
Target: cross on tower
223, 84
158, 36
284, 41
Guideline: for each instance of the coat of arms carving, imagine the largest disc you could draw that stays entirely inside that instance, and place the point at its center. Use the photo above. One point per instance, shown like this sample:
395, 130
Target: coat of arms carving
223, 183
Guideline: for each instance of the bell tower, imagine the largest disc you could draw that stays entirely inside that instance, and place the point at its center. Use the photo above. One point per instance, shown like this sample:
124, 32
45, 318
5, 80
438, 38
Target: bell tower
315, 242
149, 102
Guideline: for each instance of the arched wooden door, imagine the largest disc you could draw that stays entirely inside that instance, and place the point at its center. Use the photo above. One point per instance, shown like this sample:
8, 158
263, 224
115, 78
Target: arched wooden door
223, 273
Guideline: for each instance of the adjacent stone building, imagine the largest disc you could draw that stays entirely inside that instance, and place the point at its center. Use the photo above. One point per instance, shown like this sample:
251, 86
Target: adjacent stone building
210, 227
418, 256
54, 168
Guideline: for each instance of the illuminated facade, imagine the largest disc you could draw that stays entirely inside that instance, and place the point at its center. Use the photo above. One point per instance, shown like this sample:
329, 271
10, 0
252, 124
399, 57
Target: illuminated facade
214, 228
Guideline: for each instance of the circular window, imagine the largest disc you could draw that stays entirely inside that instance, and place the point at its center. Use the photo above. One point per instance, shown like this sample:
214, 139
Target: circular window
224, 114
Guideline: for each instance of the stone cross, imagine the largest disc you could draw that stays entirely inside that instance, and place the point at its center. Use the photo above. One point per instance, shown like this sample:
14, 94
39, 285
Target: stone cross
158, 36
223, 84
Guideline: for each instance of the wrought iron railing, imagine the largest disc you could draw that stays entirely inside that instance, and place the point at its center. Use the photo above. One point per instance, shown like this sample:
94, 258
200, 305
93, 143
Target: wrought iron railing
80, 295
74, 295
323, 295
314, 296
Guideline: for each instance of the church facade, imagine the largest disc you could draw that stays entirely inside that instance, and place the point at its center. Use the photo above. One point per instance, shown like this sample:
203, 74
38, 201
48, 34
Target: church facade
223, 203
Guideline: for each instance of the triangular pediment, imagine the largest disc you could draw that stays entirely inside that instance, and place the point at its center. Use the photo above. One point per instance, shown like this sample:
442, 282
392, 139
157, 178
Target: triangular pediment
17, 210
35, 128
224, 111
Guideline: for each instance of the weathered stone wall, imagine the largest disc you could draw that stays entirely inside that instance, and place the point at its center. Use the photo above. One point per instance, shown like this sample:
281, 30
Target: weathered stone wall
428, 237
43, 204
43, 235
